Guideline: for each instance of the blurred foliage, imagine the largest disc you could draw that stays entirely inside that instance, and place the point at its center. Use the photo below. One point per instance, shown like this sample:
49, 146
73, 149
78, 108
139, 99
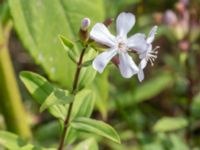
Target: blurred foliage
39, 28
157, 114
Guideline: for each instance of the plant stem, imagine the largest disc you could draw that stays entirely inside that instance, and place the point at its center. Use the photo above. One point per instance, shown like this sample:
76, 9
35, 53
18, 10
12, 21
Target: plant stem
75, 84
10, 99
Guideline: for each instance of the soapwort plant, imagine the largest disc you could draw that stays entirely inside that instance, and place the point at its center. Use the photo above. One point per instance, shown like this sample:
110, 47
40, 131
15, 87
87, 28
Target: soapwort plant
73, 107
65, 101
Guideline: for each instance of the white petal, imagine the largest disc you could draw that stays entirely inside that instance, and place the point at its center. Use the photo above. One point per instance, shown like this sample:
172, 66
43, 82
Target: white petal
101, 34
102, 60
138, 42
140, 75
143, 63
127, 66
124, 23
142, 55
152, 34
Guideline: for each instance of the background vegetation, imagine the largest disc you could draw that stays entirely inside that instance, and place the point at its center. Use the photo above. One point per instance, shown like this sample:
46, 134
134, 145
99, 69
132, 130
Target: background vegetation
161, 113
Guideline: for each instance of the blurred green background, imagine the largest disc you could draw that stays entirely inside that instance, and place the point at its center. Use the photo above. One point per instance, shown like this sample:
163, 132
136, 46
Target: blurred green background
161, 113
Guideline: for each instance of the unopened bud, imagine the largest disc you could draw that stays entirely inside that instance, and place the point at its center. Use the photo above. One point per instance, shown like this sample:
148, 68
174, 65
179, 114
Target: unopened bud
170, 17
158, 17
108, 21
83, 32
85, 24
115, 60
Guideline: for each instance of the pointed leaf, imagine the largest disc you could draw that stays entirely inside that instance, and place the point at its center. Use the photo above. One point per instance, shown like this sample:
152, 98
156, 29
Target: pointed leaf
67, 44
14, 142
152, 87
87, 74
95, 127
83, 104
40, 89
82, 107
11, 141
166, 124
89, 144
87, 63
58, 96
101, 89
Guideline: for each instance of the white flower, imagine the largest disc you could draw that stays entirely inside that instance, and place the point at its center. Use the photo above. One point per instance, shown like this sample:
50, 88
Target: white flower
149, 55
118, 45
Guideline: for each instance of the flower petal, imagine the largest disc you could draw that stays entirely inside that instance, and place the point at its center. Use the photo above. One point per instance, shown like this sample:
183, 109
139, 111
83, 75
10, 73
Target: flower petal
124, 23
127, 66
140, 75
101, 34
143, 63
102, 60
152, 34
138, 42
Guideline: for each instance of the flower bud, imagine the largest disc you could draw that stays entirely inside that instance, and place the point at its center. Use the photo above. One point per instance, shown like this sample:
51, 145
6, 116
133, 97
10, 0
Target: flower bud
115, 60
108, 21
158, 17
83, 32
170, 18
85, 24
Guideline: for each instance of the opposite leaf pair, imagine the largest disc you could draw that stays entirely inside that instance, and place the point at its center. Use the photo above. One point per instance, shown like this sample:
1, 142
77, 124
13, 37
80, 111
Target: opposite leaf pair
121, 45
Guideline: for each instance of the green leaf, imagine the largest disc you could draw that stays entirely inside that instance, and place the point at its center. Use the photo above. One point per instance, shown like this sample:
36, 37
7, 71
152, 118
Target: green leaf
83, 104
87, 73
82, 107
58, 96
67, 44
196, 106
177, 143
144, 91
95, 127
166, 124
101, 89
38, 28
87, 63
51, 129
13, 142
41, 89
89, 144
37, 85
152, 87
4, 12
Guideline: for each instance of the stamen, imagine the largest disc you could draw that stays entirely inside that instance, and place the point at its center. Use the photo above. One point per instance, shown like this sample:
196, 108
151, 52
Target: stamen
152, 55
122, 46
